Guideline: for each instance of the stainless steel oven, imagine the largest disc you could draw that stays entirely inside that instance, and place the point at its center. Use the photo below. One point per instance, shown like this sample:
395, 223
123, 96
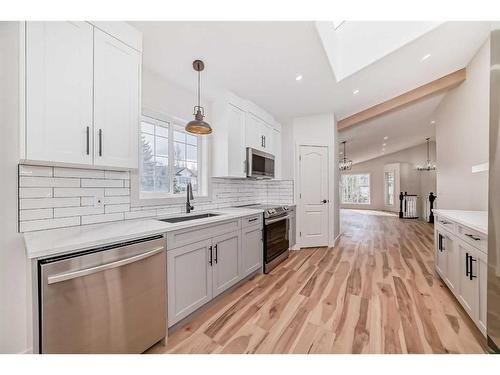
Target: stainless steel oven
259, 164
276, 237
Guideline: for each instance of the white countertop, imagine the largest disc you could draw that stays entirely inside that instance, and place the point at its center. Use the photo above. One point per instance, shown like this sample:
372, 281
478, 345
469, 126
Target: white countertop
477, 220
60, 241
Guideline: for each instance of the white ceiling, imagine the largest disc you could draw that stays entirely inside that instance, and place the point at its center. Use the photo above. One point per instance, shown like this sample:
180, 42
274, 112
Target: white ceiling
256, 60
404, 128
260, 60
353, 45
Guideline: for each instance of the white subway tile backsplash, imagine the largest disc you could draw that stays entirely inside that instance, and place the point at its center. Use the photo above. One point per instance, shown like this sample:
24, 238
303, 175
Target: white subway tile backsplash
117, 175
140, 214
35, 170
101, 183
112, 208
30, 203
77, 211
94, 219
29, 226
34, 192
116, 191
80, 173
78, 192
53, 197
48, 182
40, 213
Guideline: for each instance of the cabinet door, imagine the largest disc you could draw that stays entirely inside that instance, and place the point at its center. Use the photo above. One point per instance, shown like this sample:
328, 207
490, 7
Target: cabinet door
236, 142
253, 132
441, 252
452, 263
482, 276
268, 134
117, 72
226, 262
189, 276
251, 250
59, 92
468, 288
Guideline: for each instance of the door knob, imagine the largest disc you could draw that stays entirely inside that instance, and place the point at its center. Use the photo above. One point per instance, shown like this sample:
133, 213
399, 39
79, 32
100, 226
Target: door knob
324, 201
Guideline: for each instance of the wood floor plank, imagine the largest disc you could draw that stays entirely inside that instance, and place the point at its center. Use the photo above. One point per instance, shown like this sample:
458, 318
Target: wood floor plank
375, 292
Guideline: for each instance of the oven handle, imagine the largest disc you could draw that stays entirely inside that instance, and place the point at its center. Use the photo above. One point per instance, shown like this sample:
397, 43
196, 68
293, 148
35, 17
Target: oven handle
88, 271
276, 220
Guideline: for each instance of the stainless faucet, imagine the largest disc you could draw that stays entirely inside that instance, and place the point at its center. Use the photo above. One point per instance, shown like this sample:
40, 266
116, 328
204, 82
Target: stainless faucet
189, 191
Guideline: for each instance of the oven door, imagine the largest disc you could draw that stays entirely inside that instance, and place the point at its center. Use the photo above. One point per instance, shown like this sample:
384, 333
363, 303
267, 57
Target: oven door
277, 238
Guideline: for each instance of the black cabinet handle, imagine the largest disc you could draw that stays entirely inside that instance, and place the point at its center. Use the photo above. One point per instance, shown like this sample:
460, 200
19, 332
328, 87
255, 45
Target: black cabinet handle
100, 142
264, 141
466, 264
211, 260
440, 246
254, 219
88, 140
215, 254
475, 238
471, 259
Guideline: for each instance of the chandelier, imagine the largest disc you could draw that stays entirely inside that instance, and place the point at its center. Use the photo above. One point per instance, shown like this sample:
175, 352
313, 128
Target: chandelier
428, 165
344, 163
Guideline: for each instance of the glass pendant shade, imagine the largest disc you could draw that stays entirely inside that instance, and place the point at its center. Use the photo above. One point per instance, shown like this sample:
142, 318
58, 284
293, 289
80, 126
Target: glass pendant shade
198, 126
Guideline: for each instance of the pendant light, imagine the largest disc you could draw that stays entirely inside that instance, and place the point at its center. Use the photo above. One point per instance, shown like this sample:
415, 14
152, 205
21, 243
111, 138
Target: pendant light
345, 164
428, 166
198, 126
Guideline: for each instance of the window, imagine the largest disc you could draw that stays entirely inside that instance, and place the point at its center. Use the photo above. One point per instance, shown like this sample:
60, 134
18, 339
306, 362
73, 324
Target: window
355, 189
389, 188
170, 159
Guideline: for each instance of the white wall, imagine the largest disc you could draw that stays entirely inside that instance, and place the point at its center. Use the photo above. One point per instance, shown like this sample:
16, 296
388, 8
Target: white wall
314, 130
14, 334
420, 183
462, 138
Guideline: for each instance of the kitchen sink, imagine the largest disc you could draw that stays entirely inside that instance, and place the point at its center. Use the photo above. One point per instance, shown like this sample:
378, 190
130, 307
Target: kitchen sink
188, 218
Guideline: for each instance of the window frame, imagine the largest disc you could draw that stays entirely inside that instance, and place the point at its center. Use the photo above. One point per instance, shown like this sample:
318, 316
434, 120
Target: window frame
139, 198
369, 189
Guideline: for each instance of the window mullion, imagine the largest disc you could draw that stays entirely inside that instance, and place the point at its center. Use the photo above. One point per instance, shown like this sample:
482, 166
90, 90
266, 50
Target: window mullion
171, 168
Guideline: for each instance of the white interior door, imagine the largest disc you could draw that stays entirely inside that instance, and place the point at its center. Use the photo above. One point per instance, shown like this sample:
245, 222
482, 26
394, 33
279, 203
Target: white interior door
59, 91
313, 196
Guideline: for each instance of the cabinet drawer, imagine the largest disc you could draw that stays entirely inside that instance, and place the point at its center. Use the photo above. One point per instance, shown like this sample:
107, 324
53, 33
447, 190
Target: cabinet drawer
187, 236
446, 224
473, 237
252, 220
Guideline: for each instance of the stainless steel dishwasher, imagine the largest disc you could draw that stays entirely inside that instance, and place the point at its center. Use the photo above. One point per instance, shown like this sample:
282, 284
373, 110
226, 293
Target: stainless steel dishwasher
106, 300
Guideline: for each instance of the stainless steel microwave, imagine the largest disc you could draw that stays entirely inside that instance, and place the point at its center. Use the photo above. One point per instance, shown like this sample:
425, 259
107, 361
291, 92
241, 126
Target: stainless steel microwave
259, 164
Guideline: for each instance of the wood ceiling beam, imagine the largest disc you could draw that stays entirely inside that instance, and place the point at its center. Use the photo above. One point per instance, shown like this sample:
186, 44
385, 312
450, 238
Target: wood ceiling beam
432, 88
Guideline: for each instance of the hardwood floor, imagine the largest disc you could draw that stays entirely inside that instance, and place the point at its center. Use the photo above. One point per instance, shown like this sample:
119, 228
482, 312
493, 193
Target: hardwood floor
376, 292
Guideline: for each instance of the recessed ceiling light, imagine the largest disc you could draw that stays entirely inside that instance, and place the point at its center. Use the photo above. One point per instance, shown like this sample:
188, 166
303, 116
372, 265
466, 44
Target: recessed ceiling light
425, 57
386, 138
383, 149
355, 92
384, 144
433, 122
298, 78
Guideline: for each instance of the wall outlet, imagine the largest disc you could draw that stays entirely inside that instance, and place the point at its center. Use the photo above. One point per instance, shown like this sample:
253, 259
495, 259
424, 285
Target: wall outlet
99, 200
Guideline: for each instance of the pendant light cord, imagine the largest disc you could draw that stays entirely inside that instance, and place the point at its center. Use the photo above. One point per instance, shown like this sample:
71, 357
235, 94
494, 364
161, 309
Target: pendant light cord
198, 88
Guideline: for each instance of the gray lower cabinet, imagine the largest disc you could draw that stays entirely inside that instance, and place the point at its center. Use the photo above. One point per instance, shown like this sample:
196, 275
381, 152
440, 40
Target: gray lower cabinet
226, 261
252, 255
189, 278
200, 271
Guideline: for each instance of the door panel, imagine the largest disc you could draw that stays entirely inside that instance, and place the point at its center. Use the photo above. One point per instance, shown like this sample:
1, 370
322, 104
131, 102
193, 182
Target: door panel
441, 253
313, 190
59, 60
251, 250
189, 277
226, 264
117, 71
468, 289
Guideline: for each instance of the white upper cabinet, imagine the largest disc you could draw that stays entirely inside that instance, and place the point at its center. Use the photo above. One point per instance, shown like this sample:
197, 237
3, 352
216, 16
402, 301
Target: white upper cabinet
117, 72
82, 95
259, 134
59, 92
